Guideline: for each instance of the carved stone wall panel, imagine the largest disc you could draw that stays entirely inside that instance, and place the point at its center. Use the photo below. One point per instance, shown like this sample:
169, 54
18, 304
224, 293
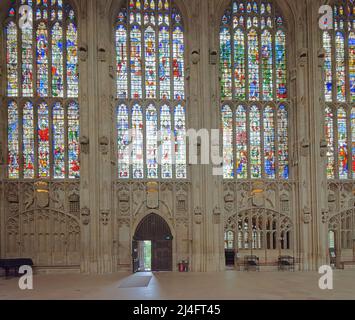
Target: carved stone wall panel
39, 223
166, 190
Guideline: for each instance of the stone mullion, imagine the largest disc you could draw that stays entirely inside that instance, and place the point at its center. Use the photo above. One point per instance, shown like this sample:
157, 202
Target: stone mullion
65, 26
234, 139
232, 41
144, 98
50, 139
34, 60
66, 138
172, 135
349, 137
20, 138
19, 60
262, 139
336, 142
159, 143
35, 131
49, 27
129, 88
248, 140
143, 78
144, 118
171, 53
276, 140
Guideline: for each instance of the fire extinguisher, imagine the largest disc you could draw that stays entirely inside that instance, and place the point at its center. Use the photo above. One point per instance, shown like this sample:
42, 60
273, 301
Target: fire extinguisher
181, 267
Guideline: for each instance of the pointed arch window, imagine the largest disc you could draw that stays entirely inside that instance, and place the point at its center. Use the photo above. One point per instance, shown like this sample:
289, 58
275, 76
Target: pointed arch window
42, 90
339, 92
254, 98
150, 76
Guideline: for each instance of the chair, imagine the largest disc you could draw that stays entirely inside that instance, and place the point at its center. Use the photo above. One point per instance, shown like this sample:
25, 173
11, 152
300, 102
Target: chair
251, 263
286, 263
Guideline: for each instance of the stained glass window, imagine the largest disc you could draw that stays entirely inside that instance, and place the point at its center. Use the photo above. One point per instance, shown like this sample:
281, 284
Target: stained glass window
283, 143
152, 142
328, 84
180, 144
269, 143
42, 60
255, 30
239, 62
72, 60
58, 141
178, 59
73, 140
11, 59
136, 63
281, 77
352, 124
329, 133
43, 140
253, 73
227, 122
253, 65
57, 61
340, 66
123, 140
43, 135
121, 53
150, 66
137, 142
339, 92
226, 63
166, 139
150, 63
27, 62
255, 142
241, 143
352, 65
28, 141
13, 138
267, 62
342, 144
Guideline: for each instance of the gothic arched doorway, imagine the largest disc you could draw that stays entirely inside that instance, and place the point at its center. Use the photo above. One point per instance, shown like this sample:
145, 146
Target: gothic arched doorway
152, 245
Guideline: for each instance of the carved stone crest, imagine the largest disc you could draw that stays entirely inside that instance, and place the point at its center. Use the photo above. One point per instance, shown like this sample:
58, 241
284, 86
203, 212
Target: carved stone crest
83, 52
229, 201
152, 195
12, 194
42, 194
84, 144
307, 216
105, 217
85, 216
181, 203
123, 201
198, 215
216, 216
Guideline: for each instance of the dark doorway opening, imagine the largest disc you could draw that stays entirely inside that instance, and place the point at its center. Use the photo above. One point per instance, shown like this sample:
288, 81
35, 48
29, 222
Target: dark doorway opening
152, 245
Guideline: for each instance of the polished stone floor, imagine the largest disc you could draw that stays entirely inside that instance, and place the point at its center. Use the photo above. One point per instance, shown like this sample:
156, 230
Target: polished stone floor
229, 285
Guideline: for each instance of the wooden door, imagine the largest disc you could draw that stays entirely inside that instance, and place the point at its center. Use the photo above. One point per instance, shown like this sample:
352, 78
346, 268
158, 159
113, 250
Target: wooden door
135, 256
162, 255
155, 229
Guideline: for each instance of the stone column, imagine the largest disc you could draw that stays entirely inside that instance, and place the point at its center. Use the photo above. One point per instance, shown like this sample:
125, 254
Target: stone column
105, 122
89, 115
195, 111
